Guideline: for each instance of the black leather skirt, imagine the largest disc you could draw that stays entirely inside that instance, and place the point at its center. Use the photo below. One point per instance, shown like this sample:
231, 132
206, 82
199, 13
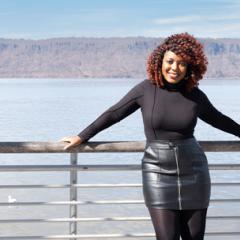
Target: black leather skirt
175, 175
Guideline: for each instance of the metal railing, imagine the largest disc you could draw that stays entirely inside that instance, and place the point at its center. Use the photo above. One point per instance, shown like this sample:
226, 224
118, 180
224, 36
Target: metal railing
73, 167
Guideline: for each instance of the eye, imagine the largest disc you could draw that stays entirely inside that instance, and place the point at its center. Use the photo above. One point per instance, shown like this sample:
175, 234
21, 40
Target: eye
183, 64
170, 61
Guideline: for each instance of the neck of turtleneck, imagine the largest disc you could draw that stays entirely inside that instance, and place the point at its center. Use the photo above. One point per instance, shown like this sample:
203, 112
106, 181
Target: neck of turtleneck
173, 86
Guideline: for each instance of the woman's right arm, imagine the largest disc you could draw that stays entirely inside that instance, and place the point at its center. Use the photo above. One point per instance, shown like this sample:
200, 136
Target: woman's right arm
127, 105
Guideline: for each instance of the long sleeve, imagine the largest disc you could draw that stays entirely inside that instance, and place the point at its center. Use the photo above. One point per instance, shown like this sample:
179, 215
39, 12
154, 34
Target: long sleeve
209, 114
127, 105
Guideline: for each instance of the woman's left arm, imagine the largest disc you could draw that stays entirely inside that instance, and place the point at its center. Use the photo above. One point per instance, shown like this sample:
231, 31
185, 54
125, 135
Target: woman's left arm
209, 114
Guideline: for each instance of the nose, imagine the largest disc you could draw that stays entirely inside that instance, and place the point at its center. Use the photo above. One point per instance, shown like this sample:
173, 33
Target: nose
174, 66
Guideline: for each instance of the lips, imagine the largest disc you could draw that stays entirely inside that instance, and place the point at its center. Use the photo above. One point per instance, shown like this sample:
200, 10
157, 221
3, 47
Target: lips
173, 75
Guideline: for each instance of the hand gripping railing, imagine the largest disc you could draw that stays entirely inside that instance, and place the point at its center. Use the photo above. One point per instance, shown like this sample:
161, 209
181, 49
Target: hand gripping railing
74, 167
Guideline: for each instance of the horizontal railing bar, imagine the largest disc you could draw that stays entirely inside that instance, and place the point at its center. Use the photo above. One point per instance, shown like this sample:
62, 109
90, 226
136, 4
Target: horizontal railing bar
58, 147
117, 146
223, 217
128, 185
225, 184
77, 219
109, 167
73, 202
34, 186
123, 185
89, 236
98, 202
226, 200
125, 167
226, 166
222, 233
109, 219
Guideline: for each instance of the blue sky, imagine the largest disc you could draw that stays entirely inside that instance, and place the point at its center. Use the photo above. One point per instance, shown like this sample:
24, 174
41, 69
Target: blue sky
41, 19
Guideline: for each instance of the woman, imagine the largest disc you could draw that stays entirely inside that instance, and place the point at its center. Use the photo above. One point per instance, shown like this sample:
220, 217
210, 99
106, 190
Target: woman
176, 181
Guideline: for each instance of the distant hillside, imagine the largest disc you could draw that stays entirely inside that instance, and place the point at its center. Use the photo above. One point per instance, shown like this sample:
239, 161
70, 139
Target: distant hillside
102, 57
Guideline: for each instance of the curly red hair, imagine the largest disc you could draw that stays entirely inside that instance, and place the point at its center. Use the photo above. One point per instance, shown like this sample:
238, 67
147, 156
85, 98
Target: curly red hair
189, 49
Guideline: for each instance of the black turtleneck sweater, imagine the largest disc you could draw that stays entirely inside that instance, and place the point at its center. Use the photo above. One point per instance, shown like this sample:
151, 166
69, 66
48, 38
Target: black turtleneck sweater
168, 113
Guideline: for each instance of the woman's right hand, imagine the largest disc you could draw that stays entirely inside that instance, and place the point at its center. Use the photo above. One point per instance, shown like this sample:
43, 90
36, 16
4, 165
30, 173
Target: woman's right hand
73, 141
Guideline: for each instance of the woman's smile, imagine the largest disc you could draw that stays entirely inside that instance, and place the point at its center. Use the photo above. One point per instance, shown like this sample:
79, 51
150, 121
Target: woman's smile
173, 75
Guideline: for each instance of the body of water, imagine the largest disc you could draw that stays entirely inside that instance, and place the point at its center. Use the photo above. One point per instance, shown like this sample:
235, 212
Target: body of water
49, 109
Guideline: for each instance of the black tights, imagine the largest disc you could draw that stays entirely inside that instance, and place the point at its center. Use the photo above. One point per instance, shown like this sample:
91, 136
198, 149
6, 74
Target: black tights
171, 224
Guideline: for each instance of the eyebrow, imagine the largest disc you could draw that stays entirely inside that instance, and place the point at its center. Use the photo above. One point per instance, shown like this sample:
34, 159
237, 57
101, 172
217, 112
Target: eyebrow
170, 58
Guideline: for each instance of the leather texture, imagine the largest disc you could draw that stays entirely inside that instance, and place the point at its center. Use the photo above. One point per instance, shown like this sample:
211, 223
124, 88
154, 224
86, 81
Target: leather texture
175, 175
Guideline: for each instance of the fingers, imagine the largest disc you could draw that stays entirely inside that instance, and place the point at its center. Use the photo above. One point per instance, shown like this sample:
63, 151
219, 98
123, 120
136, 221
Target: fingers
65, 139
73, 141
70, 145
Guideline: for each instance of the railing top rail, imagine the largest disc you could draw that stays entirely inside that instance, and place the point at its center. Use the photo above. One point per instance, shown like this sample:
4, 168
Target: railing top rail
113, 146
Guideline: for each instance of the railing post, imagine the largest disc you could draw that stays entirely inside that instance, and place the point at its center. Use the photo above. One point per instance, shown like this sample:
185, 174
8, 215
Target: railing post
73, 195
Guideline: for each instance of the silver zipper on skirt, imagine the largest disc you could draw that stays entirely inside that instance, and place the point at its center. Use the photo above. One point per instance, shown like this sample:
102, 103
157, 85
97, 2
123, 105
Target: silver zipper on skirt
178, 177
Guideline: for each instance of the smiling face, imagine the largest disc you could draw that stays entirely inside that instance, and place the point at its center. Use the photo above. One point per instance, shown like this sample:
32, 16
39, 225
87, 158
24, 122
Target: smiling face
174, 67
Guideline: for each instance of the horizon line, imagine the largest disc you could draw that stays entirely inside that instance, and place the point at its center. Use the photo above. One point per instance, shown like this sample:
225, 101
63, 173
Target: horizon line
122, 37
